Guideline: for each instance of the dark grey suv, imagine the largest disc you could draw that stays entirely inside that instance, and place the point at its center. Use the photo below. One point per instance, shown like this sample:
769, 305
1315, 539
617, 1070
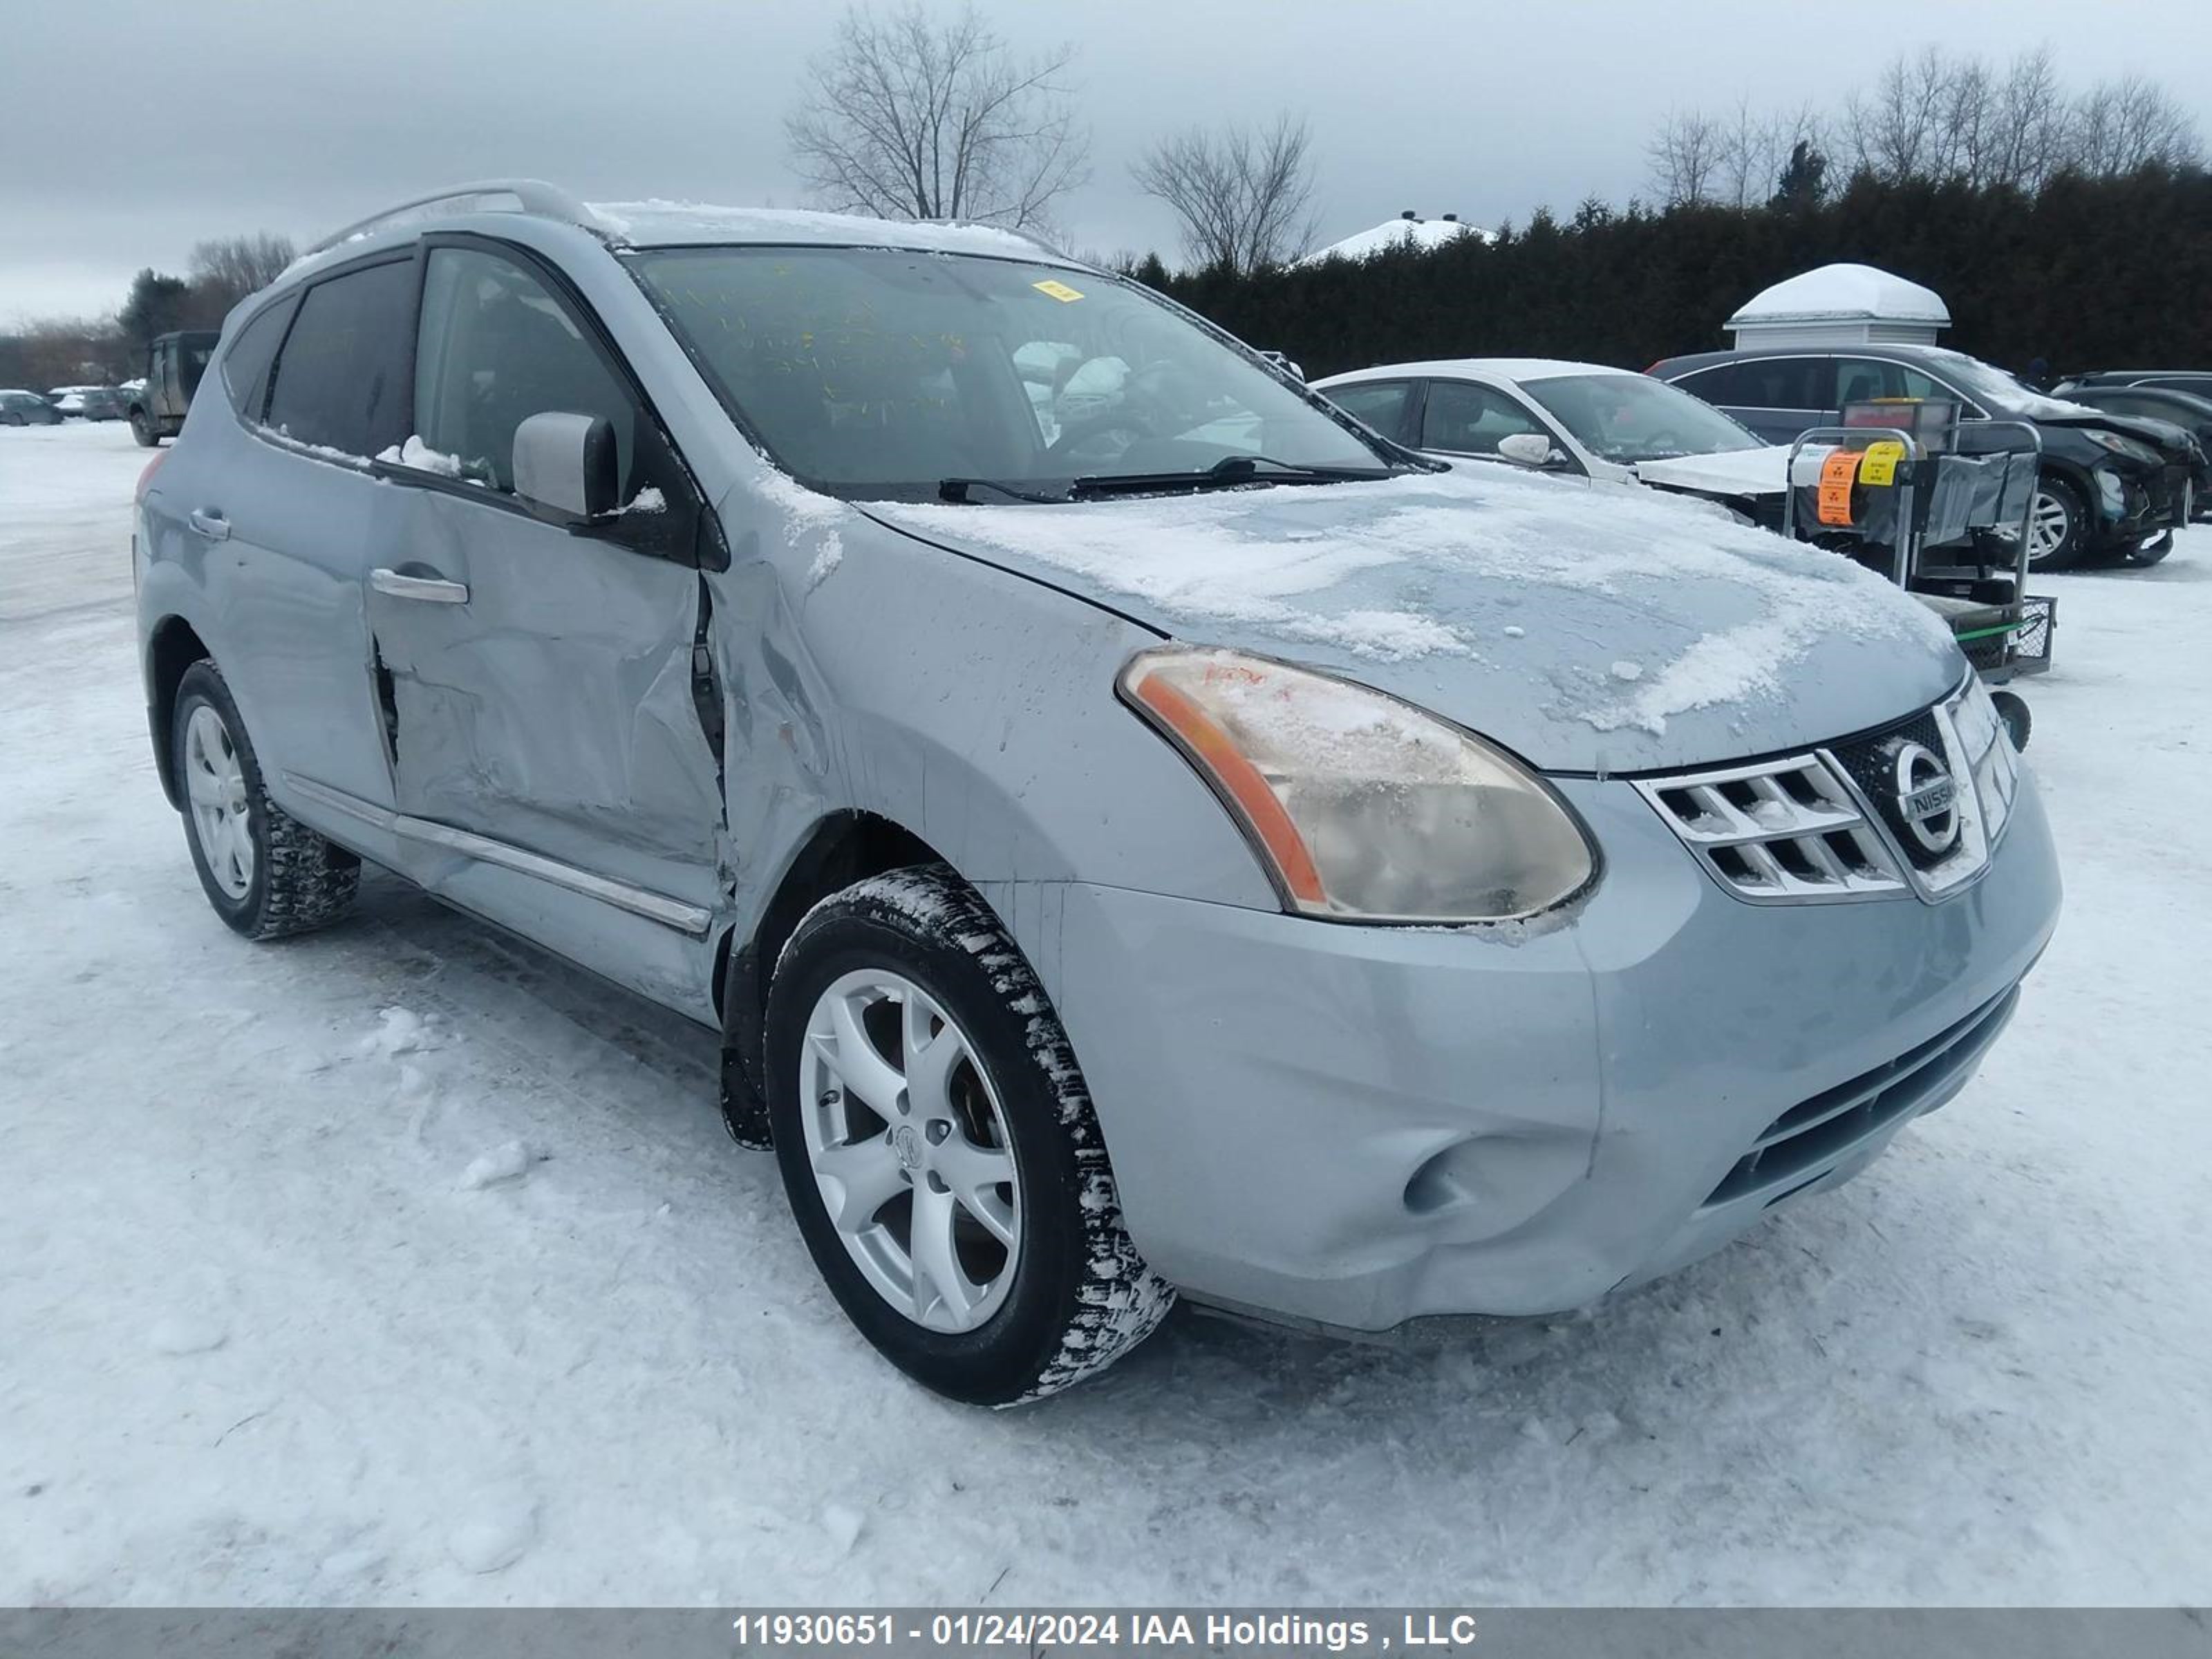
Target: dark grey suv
2110, 483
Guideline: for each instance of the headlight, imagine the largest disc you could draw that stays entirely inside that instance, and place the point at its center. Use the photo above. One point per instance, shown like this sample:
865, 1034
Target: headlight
1989, 755
2120, 445
1363, 808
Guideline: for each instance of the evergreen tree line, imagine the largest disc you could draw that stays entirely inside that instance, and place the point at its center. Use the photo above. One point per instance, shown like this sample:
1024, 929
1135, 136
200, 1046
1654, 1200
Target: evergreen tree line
2084, 273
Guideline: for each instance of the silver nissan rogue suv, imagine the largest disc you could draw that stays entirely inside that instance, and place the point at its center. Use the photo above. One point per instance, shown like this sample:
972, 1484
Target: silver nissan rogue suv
1134, 831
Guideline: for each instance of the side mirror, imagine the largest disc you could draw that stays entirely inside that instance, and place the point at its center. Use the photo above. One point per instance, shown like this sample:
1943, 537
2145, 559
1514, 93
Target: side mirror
1528, 449
565, 464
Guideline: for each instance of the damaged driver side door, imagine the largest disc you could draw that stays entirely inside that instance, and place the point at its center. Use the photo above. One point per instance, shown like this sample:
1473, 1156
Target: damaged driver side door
554, 741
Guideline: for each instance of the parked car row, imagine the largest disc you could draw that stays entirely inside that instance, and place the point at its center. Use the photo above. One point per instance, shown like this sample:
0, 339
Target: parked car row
20, 408
85, 402
1135, 830
155, 406
2112, 482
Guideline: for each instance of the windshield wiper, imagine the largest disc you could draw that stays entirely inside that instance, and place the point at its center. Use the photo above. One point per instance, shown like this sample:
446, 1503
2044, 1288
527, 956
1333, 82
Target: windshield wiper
956, 491
1228, 472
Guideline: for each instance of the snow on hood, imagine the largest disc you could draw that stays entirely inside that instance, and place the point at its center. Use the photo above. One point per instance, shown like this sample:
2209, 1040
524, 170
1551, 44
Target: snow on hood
1587, 630
1762, 471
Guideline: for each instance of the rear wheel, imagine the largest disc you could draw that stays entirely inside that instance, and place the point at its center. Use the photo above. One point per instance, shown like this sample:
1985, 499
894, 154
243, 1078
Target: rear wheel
939, 1150
2058, 526
266, 873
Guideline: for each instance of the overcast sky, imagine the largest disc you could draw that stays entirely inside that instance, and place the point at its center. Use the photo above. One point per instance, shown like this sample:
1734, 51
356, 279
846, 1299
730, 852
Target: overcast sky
130, 129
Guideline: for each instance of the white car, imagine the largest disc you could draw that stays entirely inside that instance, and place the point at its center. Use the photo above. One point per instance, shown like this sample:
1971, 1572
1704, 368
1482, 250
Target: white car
1610, 425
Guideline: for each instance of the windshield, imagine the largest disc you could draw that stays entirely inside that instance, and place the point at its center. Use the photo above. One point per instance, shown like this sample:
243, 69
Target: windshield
1627, 418
878, 373
1988, 383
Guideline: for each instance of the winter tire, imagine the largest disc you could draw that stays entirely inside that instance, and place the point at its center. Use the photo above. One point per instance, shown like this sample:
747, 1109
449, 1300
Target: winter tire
2012, 709
142, 430
2058, 527
939, 1150
266, 873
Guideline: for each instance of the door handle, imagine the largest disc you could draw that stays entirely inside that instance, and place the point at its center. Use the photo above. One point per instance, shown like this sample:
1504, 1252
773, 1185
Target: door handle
432, 590
210, 522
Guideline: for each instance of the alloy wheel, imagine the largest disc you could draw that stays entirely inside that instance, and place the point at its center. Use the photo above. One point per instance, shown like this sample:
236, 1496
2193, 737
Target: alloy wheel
909, 1151
2048, 525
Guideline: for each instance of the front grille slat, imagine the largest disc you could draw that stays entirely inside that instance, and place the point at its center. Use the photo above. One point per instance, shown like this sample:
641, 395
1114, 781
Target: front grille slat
1764, 830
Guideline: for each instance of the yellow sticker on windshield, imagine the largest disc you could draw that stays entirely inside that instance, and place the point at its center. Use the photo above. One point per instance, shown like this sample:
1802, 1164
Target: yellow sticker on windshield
1878, 466
1059, 291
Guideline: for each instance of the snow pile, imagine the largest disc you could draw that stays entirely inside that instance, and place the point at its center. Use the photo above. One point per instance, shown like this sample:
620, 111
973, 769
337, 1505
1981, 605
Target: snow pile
179, 1333
508, 1161
826, 561
495, 1537
419, 455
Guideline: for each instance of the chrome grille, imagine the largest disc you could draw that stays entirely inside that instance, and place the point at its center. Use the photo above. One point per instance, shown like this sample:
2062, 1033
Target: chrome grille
1805, 828
1779, 831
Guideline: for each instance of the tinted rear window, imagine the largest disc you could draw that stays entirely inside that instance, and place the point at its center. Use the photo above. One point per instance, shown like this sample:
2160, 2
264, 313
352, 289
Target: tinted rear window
342, 378
246, 365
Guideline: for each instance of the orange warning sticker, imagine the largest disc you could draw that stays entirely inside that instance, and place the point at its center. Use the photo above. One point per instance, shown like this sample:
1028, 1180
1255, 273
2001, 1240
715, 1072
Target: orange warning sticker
1836, 474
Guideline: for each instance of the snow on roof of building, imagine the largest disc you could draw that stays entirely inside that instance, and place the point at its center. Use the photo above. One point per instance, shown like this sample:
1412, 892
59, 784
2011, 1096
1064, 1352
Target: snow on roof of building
1400, 232
1842, 292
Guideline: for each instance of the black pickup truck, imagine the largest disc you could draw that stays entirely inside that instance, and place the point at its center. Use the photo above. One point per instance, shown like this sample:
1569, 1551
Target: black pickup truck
174, 363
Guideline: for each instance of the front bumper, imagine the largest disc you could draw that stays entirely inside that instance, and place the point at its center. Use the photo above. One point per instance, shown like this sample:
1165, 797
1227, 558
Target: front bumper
1349, 1127
2136, 503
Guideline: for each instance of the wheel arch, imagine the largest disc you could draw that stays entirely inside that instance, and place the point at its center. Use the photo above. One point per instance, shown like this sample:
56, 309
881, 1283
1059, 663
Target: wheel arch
843, 846
172, 646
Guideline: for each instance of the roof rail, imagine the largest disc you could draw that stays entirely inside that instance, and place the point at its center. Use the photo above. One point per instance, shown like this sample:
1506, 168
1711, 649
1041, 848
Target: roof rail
526, 195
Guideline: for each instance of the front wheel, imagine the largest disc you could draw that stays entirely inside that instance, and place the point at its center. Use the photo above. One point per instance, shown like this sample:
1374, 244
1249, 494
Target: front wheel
939, 1150
142, 430
266, 872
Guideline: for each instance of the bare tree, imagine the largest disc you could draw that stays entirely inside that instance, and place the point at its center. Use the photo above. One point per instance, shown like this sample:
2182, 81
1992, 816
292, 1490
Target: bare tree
227, 268
2120, 126
1685, 159
919, 115
2029, 138
1242, 193
1898, 133
1932, 116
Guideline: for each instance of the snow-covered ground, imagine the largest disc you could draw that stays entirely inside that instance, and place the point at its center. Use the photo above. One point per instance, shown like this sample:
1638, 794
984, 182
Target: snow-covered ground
401, 1264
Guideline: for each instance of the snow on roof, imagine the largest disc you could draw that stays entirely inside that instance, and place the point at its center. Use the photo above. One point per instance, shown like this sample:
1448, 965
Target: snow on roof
1395, 234
1841, 293
670, 224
